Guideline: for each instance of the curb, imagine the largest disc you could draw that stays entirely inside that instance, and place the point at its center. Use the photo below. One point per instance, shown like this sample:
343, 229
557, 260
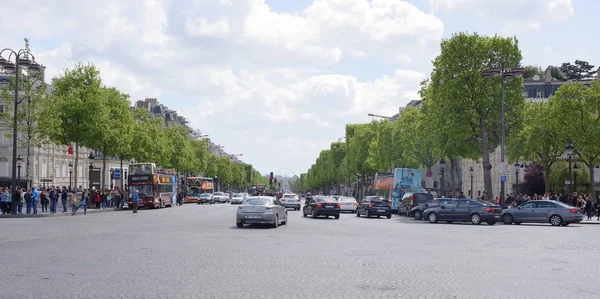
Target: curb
589, 222
60, 214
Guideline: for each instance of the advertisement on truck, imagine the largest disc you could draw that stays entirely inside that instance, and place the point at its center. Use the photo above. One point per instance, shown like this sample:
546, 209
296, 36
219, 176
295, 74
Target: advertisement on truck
405, 180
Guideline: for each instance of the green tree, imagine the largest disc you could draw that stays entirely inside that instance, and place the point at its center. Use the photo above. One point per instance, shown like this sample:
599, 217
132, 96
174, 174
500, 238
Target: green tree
150, 141
383, 152
201, 154
76, 109
471, 102
33, 92
539, 139
419, 139
578, 71
577, 107
182, 154
359, 138
533, 70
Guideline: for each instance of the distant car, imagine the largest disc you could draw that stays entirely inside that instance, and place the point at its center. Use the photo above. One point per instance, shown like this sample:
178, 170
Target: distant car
418, 210
465, 210
543, 211
237, 198
291, 201
374, 206
321, 206
411, 200
206, 198
348, 204
261, 210
219, 197
227, 197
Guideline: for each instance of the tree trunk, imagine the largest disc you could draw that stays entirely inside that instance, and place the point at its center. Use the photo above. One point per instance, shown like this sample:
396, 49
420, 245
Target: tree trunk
28, 166
76, 165
453, 175
487, 167
592, 186
122, 177
103, 180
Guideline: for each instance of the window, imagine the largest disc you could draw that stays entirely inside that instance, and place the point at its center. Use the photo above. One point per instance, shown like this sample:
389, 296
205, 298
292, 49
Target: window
44, 170
545, 205
165, 188
451, 205
540, 94
528, 205
3, 84
3, 109
4, 140
463, 204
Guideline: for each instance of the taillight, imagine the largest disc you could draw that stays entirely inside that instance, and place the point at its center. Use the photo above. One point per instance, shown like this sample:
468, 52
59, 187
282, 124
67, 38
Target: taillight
268, 208
574, 211
371, 205
355, 204
389, 205
489, 210
339, 205
319, 205
283, 199
412, 200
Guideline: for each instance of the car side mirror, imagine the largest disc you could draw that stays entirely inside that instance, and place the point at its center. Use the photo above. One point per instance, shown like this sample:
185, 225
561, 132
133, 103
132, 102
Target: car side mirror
443, 207
519, 208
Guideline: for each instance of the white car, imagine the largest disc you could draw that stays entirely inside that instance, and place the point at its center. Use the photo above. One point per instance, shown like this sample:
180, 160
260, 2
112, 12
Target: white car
348, 204
237, 198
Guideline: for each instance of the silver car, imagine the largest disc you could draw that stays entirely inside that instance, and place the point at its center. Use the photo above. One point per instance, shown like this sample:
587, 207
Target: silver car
261, 210
237, 198
291, 200
542, 211
348, 204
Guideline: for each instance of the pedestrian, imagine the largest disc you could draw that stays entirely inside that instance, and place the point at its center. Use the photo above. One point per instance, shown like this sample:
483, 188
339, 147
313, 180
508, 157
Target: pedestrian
82, 204
136, 198
589, 207
53, 200
21, 201
35, 198
44, 200
97, 200
63, 198
29, 201
15, 199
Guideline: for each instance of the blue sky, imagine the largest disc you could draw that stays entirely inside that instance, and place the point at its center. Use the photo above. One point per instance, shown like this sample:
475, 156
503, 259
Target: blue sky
277, 80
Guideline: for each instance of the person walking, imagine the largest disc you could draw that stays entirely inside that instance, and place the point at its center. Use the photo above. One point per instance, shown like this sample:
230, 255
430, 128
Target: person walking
589, 207
4, 201
82, 204
35, 198
44, 200
53, 199
29, 201
21, 201
136, 198
63, 198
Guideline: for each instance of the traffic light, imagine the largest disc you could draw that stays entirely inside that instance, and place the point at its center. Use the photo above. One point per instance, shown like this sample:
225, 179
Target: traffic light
275, 180
271, 177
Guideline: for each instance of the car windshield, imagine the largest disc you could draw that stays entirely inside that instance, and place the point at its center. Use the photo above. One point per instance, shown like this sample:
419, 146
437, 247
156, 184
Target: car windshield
205, 195
289, 196
324, 199
347, 199
219, 193
143, 190
376, 198
193, 192
236, 195
485, 203
257, 201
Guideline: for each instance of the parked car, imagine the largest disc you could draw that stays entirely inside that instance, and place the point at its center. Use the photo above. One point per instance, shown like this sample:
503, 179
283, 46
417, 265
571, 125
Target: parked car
348, 204
261, 210
227, 197
237, 198
206, 198
543, 211
374, 206
291, 201
465, 210
219, 197
410, 200
321, 206
418, 210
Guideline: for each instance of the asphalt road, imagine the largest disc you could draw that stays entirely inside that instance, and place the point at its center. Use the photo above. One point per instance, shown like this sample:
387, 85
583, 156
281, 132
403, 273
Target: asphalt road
197, 252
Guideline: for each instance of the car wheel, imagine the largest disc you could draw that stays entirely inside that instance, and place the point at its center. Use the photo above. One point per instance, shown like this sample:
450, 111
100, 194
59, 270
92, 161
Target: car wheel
240, 224
418, 215
507, 219
378, 216
313, 214
555, 220
433, 218
276, 222
357, 213
565, 224
517, 223
449, 222
337, 216
491, 222
475, 219
389, 216
285, 221
303, 213
368, 214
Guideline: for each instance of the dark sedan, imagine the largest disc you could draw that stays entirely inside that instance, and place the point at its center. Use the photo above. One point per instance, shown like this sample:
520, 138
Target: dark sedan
374, 206
466, 210
418, 210
322, 206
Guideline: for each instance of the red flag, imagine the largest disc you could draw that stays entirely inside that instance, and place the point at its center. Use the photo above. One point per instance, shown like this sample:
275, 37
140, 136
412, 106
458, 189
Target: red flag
70, 150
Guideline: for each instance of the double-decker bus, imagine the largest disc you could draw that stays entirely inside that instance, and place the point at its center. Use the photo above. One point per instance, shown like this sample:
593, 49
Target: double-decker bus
196, 186
155, 188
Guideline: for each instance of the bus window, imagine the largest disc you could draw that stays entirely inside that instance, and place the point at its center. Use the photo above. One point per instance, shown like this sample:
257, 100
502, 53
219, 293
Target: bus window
143, 190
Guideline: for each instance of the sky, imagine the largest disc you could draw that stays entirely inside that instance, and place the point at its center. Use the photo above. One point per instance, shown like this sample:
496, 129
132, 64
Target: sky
278, 80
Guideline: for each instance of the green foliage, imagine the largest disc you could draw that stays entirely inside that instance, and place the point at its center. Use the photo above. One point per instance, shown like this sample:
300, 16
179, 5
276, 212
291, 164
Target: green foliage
578, 71
359, 139
533, 70
150, 140
182, 156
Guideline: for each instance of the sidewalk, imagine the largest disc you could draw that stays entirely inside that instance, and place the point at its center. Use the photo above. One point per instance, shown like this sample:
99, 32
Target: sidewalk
593, 221
59, 209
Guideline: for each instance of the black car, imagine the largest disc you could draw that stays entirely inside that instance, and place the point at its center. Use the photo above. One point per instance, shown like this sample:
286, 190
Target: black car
418, 210
465, 210
411, 200
374, 206
322, 206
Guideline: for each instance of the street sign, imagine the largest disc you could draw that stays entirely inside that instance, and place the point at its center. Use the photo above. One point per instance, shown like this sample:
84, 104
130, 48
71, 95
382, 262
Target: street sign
429, 173
117, 173
503, 178
502, 169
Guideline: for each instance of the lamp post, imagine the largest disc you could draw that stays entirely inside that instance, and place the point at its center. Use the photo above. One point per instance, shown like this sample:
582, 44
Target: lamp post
91, 158
517, 167
23, 59
471, 171
442, 168
380, 116
19, 161
506, 74
570, 150
70, 174
575, 168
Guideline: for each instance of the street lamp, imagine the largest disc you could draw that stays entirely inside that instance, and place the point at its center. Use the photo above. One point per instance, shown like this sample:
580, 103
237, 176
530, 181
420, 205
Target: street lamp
70, 174
471, 171
570, 151
380, 116
19, 161
517, 168
23, 59
91, 158
442, 168
506, 74
575, 168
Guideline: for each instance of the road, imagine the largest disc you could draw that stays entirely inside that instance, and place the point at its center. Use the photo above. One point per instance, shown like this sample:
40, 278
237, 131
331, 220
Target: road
197, 252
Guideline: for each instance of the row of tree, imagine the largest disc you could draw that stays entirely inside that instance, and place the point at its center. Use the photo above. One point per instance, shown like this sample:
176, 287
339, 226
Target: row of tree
460, 117
79, 110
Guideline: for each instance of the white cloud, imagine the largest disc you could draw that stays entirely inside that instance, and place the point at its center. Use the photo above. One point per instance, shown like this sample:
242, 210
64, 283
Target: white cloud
201, 26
